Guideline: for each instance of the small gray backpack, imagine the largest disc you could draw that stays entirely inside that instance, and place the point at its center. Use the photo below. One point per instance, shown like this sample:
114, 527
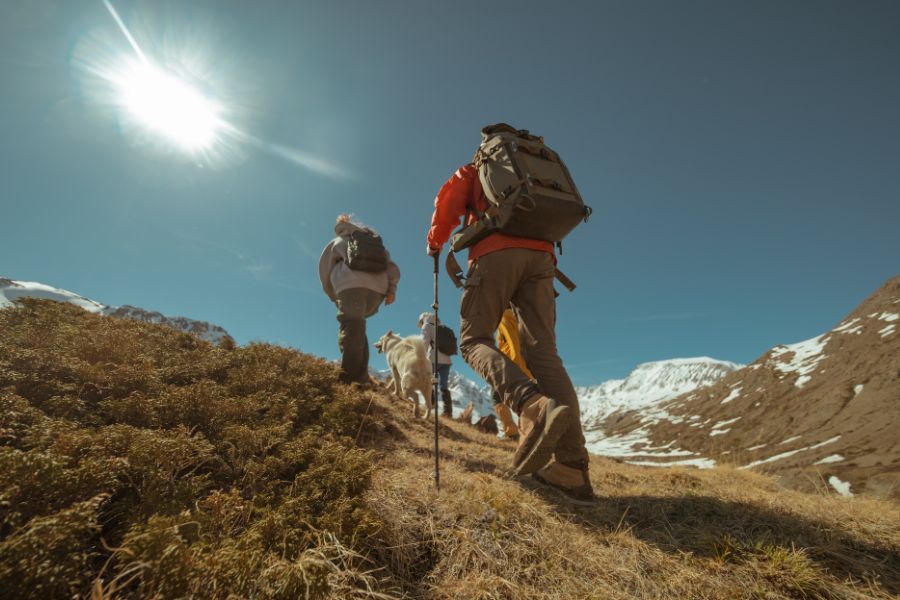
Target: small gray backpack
528, 187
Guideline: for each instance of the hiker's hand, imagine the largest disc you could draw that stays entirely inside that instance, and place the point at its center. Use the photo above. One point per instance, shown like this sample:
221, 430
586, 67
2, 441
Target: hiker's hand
389, 299
432, 251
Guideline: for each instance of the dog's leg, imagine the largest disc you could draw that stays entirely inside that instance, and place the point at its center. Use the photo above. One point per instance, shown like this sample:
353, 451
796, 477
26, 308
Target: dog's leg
415, 400
397, 389
428, 401
413, 397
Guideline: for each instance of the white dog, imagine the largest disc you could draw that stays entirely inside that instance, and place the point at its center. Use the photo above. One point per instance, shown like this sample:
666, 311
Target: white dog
409, 366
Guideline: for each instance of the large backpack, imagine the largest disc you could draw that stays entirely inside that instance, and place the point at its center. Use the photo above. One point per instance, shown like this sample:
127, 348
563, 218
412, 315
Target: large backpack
529, 190
446, 340
365, 252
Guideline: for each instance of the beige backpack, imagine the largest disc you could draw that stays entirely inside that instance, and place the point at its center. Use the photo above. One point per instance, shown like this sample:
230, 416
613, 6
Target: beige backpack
529, 189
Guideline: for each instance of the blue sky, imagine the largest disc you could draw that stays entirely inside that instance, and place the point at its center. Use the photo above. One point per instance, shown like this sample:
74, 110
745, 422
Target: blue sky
741, 158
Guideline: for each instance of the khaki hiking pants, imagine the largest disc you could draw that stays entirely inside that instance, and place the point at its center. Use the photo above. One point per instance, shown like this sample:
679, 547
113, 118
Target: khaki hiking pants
525, 279
354, 307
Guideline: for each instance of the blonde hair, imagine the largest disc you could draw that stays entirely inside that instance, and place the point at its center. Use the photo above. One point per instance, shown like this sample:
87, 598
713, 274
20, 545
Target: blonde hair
352, 220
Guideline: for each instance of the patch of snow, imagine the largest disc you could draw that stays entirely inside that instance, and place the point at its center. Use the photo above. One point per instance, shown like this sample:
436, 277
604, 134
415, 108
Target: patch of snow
790, 439
829, 459
848, 327
789, 453
716, 432
825, 443
841, 487
700, 463
887, 330
772, 458
734, 394
631, 445
752, 448
721, 424
889, 317
805, 357
857, 389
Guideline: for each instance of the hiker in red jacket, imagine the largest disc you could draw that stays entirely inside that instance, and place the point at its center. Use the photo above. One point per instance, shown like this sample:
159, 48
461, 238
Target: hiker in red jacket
505, 269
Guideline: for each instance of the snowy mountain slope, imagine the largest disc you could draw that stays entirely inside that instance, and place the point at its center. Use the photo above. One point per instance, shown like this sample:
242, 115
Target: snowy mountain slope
11, 290
643, 392
649, 384
465, 390
825, 409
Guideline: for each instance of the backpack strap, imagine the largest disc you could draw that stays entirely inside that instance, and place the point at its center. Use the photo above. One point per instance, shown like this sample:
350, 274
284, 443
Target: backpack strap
563, 279
454, 271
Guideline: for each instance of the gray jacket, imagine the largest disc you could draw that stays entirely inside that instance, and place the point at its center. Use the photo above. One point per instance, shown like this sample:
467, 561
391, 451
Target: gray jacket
426, 322
336, 276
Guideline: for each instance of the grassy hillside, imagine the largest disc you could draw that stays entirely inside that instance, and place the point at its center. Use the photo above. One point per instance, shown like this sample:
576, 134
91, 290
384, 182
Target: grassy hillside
139, 462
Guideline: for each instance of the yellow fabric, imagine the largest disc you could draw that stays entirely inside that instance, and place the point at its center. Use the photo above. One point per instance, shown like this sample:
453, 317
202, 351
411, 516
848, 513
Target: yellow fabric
508, 340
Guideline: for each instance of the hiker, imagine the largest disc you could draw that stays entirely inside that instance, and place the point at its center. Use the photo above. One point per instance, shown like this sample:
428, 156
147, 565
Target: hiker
518, 269
357, 274
426, 324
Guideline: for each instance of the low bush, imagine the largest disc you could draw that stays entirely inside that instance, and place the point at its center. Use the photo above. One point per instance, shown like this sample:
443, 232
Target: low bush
137, 461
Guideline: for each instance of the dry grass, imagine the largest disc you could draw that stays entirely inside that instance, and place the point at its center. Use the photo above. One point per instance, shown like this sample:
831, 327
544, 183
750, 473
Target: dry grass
679, 533
136, 462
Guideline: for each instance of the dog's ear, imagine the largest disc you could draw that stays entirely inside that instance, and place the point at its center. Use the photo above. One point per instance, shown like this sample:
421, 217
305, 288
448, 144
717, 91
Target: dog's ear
389, 333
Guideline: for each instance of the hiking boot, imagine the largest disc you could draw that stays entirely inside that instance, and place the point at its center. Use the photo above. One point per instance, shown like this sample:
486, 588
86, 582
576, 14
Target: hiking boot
569, 478
541, 423
447, 399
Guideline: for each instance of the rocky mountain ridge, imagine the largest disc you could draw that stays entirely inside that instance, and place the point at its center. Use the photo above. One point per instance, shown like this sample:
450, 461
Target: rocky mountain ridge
10, 290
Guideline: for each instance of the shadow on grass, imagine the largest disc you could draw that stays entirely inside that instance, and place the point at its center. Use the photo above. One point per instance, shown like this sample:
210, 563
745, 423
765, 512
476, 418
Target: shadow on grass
714, 528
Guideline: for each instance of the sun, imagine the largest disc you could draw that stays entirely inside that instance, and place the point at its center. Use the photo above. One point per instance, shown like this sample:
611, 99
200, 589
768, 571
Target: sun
168, 106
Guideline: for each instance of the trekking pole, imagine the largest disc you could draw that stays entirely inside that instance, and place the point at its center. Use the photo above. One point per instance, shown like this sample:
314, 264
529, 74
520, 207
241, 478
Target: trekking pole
434, 378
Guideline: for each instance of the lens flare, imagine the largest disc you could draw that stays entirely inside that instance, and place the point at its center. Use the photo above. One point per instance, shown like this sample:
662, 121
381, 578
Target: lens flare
169, 107
168, 93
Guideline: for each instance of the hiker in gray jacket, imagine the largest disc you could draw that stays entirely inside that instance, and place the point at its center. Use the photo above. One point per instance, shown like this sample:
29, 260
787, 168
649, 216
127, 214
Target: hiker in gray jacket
357, 274
426, 324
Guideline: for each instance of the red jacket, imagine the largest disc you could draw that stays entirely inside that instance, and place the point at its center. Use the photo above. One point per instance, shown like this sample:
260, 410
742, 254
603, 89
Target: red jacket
460, 193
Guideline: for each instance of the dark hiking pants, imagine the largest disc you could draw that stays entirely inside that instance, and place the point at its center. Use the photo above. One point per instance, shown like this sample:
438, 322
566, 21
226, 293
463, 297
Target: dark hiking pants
523, 278
354, 307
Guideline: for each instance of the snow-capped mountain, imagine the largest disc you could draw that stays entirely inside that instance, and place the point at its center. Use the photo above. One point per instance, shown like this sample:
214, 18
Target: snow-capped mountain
820, 410
649, 384
11, 290
465, 390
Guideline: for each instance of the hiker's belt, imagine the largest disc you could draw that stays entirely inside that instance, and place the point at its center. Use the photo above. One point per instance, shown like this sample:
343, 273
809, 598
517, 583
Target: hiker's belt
456, 274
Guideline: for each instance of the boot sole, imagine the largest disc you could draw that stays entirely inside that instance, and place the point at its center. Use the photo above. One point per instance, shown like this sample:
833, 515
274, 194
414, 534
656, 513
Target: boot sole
542, 452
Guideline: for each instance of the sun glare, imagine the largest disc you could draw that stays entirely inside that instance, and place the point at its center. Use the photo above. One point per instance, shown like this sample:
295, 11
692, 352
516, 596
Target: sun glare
174, 94
169, 107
